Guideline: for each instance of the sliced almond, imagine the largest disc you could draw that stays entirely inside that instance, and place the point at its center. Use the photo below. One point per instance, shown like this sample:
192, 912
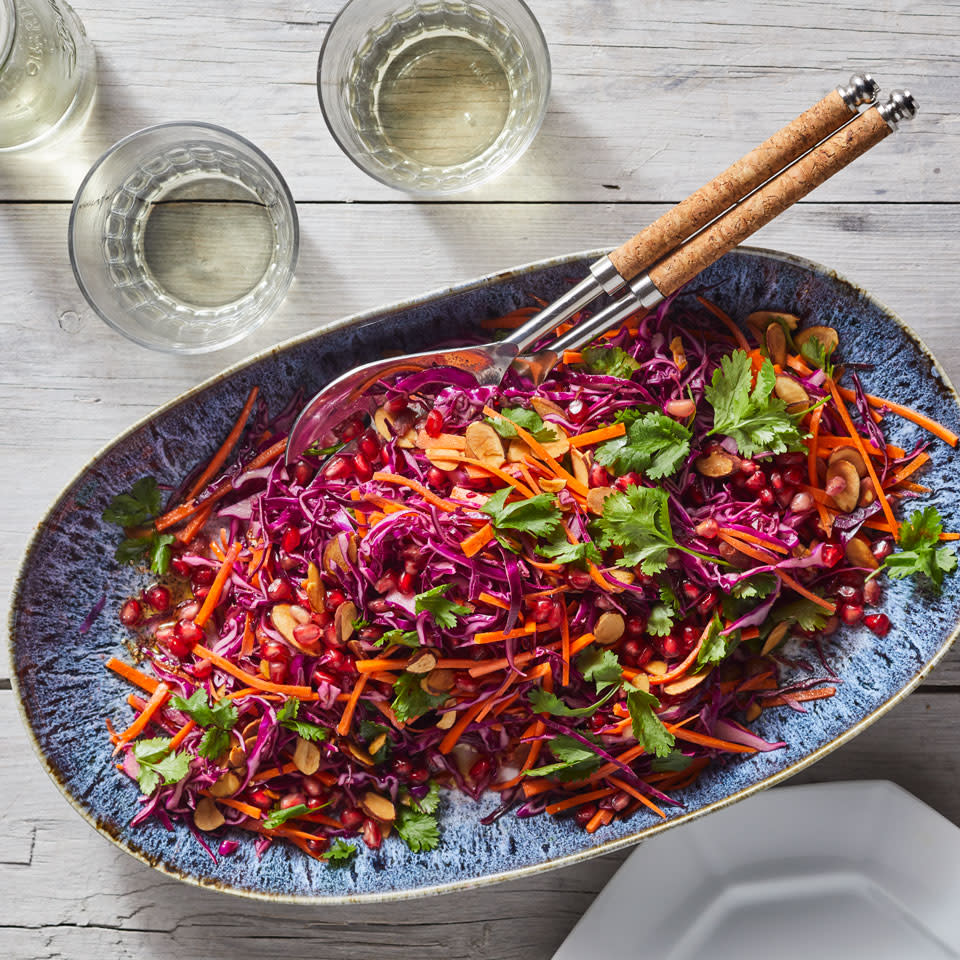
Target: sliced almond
853, 455
859, 553
315, 590
300, 614
826, 335
546, 408
251, 729
207, 816
376, 744
679, 354
237, 757
686, 683
444, 458
868, 493
343, 620
437, 682
776, 341
843, 485
557, 448
447, 720
422, 663
226, 786
517, 450
483, 443
284, 621
352, 547
382, 421
380, 808
656, 668
408, 441
752, 712
333, 558
306, 757
609, 628
619, 575
642, 681
775, 637
761, 319
791, 393
552, 484
359, 754
717, 463
596, 496
581, 465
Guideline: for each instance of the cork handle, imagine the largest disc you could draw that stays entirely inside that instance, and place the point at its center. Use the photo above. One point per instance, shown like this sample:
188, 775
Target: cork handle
770, 201
759, 165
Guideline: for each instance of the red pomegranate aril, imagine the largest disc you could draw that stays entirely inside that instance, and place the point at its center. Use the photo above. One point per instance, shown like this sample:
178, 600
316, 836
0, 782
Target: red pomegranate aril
636, 626
202, 576
372, 835
307, 634
646, 655
130, 613
334, 599
202, 669
690, 590
437, 477
158, 597
370, 445
180, 566
291, 539
279, 591
631, 479
543, 610
776, 481
872, 592
480, 769
748, 467
292, 799
405, 583
691, 635
579, 579
766, 497
434, 424
339, 468
362, 468
598, 476
302, 474
332, 660
631, 647
261, 799
400, 767
756, 481
351, 818
274, 651
801, 502
851, 613
178, 647
707, 602
352, 428
597, 722
853, 578
794, 477
371, 634
396, 404
669, 646
708, 529
577, 411
318, 845
849, 593
419, 775
881, 549
188, 631
200, 593
831, 554
585, 814
278, 671
319, 677
879, 623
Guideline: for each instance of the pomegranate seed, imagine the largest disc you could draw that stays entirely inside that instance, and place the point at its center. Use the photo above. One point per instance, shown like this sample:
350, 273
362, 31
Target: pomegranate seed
372, 836
274, 650
319, 677
405, 583
188, 632
434, 424
636, 625
831, 626
690, 636
766, 498
480, 769
130, 613
338, 468
597, 722
200, 593
543, 610
631, 479
849, 594
302, 474
646, 655
279, 591
334, 599
708, 529
872, 592
620, 800
158, 597
853, 578
577, 411
179, 647
401, 767
419, 775
669, 646
352, 428
794, 477
756, 481
318, 845
707, 602
164, 632
293, 799
260, 798
585, 814
792, 459
351, 818
180, 566
278, 671
396, 404
879, 623
835, 486
599, 476
370, 445
202, 669
307, 634
690, 590
776, 481
851, 613
362, 468
831, 554
291, 539
801, 502
332, 660
881, 549
681, 409
631, 648
202, 576
437, 477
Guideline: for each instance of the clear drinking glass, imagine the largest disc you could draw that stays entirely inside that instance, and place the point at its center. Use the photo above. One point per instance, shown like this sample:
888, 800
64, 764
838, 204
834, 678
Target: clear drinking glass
47, 72
434, 96
184, 237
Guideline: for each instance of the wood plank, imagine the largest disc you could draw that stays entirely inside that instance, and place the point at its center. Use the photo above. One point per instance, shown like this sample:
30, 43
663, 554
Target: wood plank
78, 896
69, 383
643, 107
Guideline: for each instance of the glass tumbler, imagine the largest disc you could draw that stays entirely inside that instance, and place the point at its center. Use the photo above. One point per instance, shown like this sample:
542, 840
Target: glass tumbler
47, 72
434, 96
184, 237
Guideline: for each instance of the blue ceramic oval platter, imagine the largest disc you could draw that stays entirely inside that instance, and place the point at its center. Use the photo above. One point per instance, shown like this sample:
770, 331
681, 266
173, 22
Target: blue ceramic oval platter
65, 692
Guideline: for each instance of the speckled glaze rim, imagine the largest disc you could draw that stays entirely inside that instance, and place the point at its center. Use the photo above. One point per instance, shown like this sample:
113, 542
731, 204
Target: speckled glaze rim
558, 862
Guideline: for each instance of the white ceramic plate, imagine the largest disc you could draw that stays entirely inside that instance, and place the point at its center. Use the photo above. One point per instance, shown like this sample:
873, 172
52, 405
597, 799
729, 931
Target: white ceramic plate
839, 870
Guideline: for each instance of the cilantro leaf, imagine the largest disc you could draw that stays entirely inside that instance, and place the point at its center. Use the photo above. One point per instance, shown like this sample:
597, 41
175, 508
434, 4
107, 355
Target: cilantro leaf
289, 710
654, 444
277, 817
445, 612
158, 764
647, 726
155, 546
816, 354
804, 613
222, 714
660, 620
529, 420
340, 853
560, 550
612, 361
539, 515
716, 645
406, 638
132, 509
755, 419
418, 830
411, 700
600, 667
429, 802
673, 762
638, 520
574, 760
315, 450
759, 586
213, 743
287, 718
544, 702
920, 551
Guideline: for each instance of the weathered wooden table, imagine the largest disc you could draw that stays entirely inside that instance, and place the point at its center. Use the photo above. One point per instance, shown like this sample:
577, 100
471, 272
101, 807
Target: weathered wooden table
649, 101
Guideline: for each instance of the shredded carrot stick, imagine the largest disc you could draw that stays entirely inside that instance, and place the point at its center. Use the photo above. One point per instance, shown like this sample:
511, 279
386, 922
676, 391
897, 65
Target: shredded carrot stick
495, 636
456, 731
249, 638
572, 356
301, 693
800, 695
132, 674
427, 495
267, 456
262, 776
600, 819
579, 800
858, 442
914, 487
751, 538
493, 471
950, 536
485, 597
597, 436
211, 600
812, 472
246, 808
635, 793
921, 420
182, 734
379, 663
735, 332
220, 457
195, 525
796, 363
565, 644
477, 541
704, 741
157, 700
910, 469
343, 727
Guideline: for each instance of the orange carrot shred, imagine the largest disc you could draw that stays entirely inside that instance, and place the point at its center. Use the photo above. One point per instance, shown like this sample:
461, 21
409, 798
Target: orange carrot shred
634, 792
427, 495
211, 600
301, 693
157, 700
456, 731
597, 436
579, 800
181, 734
921, 420
267, 456
735, 331
220, 457
477, 541
132, 674
343, 727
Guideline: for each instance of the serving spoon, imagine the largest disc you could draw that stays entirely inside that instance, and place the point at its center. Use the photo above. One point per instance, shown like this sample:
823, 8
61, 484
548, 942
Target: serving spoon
347, 396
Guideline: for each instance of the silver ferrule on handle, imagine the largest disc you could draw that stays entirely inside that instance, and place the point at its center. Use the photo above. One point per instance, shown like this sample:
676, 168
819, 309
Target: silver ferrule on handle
603, 278
861, 90
900, 105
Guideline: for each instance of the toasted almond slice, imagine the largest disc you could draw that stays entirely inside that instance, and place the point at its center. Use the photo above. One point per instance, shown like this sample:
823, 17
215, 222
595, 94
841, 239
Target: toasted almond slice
380, 808
483, 443
775, 637
826, 335
717, 463
557, 448
306, 757
686, 683
440, 457
376, 744
679, 354
546, 408
776, 341
752, 712
207, 815
359, 754
761, 319
300, 614
316, 592
352, 547
552, 484
343, 620
853, 455
642, 681
237, 757
283, 620
609, 628
437, 682
791, 392
859, 553
517, 451
333, 558
422, 663
447, 720
626, 577
408, 441
843, 485
226, 786
581, 465
656, 668
382, 421
596, 496
868, 492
